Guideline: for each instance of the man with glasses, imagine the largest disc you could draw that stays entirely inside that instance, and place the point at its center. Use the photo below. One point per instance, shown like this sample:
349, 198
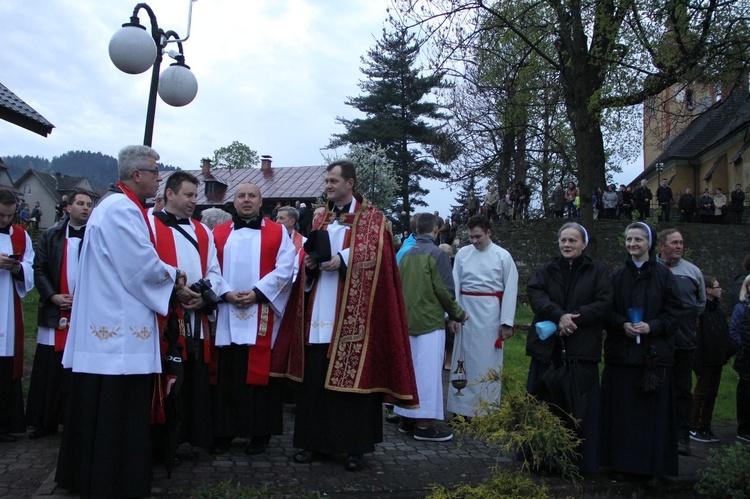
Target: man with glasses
16, 279
113, 342
691, 290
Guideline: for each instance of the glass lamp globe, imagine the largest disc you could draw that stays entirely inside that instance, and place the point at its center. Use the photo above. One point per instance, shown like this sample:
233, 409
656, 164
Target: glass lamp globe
132, 49
177, 85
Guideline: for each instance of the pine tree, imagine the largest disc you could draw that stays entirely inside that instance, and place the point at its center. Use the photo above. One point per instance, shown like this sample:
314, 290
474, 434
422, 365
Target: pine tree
401, 118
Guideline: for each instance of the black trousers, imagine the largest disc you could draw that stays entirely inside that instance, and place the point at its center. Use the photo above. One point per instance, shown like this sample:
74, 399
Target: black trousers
683, 390
334, 422
704, 396
106, 442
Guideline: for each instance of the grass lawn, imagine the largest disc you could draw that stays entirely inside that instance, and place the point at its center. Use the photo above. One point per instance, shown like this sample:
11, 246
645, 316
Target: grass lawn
515, 356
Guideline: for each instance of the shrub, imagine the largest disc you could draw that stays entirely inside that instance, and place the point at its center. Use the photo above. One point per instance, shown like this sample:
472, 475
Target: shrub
501, 484
729, 473
525, 428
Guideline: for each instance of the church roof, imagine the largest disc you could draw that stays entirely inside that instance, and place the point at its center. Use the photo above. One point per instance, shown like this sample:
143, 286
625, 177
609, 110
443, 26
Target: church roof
710, 128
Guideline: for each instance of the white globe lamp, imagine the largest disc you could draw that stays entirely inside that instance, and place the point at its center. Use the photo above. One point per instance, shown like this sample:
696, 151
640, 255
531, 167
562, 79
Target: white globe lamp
177, 85
132, 49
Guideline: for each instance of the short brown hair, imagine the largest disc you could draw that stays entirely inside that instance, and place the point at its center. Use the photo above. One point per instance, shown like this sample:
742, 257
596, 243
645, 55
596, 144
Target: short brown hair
7, 197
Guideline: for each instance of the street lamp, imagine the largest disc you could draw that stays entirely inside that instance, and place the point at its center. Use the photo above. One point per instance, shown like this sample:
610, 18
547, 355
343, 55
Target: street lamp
133, 51
659, 169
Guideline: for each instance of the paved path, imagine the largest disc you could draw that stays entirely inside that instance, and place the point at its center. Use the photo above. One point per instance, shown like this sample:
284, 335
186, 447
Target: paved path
401, 467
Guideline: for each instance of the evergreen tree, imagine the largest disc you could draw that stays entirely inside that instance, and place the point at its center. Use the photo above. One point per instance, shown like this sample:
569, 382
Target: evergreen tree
400, 117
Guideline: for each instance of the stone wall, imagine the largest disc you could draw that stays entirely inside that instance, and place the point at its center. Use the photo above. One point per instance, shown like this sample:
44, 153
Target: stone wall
716, 249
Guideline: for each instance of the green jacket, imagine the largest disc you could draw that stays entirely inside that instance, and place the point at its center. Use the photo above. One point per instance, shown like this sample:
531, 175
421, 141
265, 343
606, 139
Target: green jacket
427, 282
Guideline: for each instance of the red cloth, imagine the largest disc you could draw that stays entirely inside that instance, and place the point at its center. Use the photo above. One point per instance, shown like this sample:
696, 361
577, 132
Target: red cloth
18, 242
61, 333
499, 295
259, 355
370, 350
168, 254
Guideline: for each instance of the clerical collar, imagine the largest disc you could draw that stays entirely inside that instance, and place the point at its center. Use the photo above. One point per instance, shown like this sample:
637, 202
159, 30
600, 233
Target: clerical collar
78, 232
250, 223
180, 221
6, 229
344, 209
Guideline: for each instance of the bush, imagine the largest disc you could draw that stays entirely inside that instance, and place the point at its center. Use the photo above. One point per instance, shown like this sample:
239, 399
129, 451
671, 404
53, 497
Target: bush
501, 484
232, 490
729, 473
525, 428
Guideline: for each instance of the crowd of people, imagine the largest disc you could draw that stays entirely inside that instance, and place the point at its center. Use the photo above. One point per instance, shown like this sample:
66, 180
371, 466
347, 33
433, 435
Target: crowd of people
155, 329
611, 203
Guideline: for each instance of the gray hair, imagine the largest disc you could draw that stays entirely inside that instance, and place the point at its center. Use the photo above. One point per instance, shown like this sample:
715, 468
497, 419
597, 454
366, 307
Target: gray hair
131, 158
290, 212
215, 216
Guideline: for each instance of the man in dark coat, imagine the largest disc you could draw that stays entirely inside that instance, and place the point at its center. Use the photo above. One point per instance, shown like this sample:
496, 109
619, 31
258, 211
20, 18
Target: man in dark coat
55, 266
737, 204
687, 206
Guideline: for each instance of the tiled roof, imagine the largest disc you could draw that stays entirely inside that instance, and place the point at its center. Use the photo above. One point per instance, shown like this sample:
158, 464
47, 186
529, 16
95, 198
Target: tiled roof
710, 128
716, 124
16, 111
277, 183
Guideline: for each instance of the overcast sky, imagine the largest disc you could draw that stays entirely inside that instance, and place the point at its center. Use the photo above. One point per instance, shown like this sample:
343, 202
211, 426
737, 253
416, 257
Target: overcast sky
273, 75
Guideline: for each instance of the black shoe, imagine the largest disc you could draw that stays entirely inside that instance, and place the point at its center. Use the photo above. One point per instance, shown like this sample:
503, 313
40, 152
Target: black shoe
353, 462
257, 445
711, 436
699, 435
305, 457
432, 434
41, 432
7, 438
406, 426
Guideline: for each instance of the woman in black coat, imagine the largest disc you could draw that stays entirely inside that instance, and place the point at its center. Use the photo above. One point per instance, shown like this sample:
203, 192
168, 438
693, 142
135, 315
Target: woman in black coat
574, 292
638, 430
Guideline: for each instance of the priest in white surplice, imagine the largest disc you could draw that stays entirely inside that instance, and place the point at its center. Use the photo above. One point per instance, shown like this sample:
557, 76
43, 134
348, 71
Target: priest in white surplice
257, 261
486, 287
113, 342
188, 245
16, 279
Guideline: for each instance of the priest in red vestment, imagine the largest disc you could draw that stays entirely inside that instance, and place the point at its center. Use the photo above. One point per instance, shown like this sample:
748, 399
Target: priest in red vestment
16, 279
257, 263
346, 329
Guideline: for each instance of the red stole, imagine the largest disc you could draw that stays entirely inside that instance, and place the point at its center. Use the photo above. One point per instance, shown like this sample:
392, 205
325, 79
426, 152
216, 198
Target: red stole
131, 195
165, 247
18, 242
259, 355
297, 241
61, 332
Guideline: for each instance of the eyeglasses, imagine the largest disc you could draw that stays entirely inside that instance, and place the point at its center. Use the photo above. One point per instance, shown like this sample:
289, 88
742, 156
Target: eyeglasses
155, 171
714, 287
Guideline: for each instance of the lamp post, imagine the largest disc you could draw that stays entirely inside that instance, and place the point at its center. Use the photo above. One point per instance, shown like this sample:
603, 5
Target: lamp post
659, 169
134, 51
